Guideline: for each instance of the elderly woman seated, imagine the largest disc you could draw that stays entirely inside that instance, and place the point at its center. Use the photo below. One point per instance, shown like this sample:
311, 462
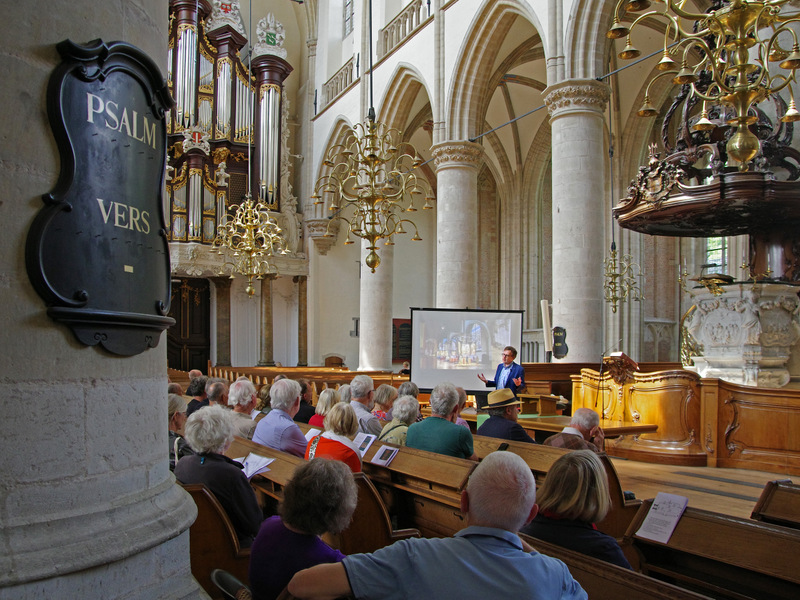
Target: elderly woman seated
384, 397
572, 499
404, 413
327, 398
176, 410
341, 425
320, 497
209, 432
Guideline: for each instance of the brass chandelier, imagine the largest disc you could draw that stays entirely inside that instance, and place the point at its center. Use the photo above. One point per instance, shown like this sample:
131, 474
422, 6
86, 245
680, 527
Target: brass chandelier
252, 237
620, 279
732, 47
373, 173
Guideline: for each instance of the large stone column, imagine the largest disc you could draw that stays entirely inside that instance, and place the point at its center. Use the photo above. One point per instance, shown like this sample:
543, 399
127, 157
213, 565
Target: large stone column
375, 331
267, 357
223, 295
88, 506
457, 275
302, 320
579, 212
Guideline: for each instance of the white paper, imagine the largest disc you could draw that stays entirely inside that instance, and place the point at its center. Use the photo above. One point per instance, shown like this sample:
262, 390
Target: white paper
312, 433
363, 441
384, 455
663, 517
254, 464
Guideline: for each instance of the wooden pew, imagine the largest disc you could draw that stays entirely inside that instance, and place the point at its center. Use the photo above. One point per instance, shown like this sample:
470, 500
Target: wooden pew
722, 556
371, 527
779, 504
213, 543
604, 581
540, 458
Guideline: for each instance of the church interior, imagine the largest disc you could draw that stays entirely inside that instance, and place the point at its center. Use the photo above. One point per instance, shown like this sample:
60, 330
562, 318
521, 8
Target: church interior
623, 172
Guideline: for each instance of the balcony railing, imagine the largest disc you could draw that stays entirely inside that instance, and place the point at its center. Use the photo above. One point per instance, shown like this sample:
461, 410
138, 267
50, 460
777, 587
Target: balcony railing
337, 84
403, 25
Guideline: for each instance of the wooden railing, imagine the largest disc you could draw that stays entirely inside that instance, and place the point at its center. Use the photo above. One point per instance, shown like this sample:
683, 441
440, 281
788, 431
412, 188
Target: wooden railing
399, 28
337, 84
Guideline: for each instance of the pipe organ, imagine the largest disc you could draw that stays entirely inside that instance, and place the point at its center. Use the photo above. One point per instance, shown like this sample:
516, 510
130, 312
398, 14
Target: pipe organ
224, 133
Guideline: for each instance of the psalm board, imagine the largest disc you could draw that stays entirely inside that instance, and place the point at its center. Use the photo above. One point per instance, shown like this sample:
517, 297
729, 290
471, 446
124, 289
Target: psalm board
97, 253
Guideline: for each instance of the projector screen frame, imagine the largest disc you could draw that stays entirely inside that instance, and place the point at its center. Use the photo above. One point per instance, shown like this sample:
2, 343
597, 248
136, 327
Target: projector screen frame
468, 377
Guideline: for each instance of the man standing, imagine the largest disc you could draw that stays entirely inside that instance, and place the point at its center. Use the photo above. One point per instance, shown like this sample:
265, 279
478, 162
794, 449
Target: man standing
243, 398
486, 559
439, 432
509, 374
362, 392
582, 433
278, 430
502, 423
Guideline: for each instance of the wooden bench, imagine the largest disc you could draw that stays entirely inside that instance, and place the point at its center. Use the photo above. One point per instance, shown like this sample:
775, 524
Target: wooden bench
604, 581
540, 458
213, 543
722, 556
779, 504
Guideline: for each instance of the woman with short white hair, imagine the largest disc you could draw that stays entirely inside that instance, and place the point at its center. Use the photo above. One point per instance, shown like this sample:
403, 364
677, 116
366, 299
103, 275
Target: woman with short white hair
404, 413
209, 432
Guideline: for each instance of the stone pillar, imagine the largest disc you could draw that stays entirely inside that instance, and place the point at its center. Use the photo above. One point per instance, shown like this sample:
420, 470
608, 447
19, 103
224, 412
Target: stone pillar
579, 212
375, 331
89, 508
457, 224
267, 358
302, 320
223, 289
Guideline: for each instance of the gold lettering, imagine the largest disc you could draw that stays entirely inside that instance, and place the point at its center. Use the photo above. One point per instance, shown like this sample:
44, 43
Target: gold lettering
149, 134
90, 106
103, 210
134, 218
119, 215
112, 114
146, 228
125, 122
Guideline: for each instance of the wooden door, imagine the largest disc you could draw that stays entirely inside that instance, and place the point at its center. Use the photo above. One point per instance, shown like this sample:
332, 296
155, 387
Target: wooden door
188, 341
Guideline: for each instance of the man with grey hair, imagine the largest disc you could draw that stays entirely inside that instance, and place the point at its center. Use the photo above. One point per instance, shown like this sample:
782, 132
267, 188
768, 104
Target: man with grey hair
489, 558
278, 430
217, 392
439, 432
242, 397
362, 392
582, 433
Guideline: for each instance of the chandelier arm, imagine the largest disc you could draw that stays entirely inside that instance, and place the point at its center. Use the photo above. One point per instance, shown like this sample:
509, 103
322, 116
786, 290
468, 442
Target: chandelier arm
677, 8
654, 79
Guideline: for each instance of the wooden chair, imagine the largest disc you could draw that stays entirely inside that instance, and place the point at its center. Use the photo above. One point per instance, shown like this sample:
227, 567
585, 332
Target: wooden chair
213, 543
371, 527
722, 556
779, 504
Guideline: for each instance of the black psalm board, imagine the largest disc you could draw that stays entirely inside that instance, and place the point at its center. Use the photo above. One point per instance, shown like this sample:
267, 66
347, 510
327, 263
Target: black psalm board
97, 253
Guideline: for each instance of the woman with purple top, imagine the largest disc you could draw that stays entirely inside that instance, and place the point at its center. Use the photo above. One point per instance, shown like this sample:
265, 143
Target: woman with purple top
320, 497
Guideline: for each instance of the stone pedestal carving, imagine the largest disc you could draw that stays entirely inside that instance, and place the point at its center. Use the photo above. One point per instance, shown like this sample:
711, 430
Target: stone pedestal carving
745, 335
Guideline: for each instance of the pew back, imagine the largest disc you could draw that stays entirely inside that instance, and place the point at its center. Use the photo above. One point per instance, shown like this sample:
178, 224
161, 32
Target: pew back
779, 504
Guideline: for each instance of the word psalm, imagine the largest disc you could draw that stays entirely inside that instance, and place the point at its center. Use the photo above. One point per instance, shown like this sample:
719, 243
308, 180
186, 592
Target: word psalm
140, 129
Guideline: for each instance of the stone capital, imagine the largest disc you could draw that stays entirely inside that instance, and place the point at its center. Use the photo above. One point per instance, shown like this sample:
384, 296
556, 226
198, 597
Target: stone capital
323, 232
457, 154
576, 95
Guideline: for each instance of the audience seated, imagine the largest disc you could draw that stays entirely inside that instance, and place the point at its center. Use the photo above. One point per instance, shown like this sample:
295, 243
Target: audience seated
404, 413
263, 404
485, 560
572, 499
320, 498
327, 399
306, 410
176, 408
344, 393
408, 388
337, 440
197, 390
385, 396
582, 433
362, 399
462, 402
209, 432
243, 398
194, 374
278, 430
175, 388
439, 432
217, 392
503, 408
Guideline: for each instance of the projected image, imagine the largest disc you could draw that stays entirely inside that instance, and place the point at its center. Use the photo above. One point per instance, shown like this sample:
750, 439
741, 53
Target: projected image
457, 345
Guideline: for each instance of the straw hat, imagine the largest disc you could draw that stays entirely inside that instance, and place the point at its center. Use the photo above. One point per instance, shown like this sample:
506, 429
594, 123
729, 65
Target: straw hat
501, 398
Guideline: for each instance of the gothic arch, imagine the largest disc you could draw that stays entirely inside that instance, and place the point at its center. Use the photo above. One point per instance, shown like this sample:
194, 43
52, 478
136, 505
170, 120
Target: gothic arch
586, 44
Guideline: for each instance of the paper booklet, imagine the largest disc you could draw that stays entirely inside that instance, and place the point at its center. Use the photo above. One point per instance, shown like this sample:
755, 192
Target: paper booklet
363, 441
254, 464
312, 433
663, 517
384, 455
